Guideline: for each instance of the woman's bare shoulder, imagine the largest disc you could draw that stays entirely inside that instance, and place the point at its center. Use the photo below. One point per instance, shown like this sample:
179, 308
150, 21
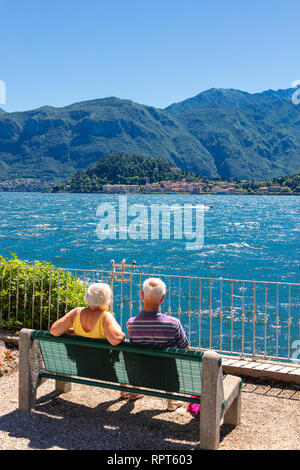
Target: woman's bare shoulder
108, 317
73, 313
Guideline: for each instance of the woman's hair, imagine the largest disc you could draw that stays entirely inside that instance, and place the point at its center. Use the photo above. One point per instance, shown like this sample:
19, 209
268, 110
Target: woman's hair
98, 295
154, 289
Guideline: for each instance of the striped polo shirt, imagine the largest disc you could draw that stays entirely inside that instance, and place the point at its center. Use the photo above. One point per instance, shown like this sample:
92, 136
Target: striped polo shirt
156, 329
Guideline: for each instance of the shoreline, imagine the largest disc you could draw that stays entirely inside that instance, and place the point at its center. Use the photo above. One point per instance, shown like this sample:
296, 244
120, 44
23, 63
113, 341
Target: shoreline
142, 193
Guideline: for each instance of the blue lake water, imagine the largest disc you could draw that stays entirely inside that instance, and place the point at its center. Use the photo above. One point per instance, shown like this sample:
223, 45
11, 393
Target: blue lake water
245, 237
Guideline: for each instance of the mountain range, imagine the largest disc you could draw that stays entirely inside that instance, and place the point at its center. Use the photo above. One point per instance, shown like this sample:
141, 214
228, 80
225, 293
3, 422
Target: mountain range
223, 133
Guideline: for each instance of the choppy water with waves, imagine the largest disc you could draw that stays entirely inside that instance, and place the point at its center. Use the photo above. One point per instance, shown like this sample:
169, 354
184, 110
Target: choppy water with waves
245, 237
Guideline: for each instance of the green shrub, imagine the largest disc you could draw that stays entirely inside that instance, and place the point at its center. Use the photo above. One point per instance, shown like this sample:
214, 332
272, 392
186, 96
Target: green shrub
34, 295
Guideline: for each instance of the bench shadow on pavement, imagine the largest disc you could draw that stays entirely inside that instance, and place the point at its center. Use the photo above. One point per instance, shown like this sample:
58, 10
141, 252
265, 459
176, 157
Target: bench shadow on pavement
57, 422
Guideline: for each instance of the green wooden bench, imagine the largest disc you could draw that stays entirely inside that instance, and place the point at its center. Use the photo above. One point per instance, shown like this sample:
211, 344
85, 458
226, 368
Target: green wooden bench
162, 372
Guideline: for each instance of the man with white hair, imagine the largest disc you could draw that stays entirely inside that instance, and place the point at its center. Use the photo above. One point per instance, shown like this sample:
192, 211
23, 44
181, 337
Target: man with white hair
151, 327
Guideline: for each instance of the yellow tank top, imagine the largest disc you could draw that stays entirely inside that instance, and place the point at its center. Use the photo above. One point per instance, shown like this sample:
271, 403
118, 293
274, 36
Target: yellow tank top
96, 332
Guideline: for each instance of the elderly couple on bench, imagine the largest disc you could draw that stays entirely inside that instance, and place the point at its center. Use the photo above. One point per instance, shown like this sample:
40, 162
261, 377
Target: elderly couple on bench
149, 327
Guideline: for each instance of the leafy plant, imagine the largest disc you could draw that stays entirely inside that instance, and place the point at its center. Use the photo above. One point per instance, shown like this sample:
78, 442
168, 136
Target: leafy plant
34, 295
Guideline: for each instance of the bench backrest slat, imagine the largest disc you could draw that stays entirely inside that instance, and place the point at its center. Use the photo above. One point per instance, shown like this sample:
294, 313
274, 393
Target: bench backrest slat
168, 369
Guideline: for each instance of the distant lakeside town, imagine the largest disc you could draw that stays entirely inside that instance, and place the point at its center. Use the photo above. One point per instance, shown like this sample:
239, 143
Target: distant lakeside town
217, 187
168, 187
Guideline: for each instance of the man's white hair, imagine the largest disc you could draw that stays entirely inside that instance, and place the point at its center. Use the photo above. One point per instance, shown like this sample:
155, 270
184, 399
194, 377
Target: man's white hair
154, 288
98, 295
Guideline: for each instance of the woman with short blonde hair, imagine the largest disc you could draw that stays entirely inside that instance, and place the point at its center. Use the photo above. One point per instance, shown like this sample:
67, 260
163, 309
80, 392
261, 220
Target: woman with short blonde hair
93, 321
98, 294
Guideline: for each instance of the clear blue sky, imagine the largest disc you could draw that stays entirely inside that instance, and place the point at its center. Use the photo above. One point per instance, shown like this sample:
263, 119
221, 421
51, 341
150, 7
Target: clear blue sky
154, 52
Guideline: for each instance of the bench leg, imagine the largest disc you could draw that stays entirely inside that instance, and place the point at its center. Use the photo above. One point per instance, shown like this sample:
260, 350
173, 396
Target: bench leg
209, 429
63, 387
233, 414
30, 364
211, 401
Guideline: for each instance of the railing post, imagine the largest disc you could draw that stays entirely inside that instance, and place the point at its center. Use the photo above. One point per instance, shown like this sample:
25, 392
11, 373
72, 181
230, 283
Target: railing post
119, 276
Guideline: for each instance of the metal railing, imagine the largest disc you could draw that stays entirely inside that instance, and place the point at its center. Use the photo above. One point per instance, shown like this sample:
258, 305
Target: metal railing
245, 318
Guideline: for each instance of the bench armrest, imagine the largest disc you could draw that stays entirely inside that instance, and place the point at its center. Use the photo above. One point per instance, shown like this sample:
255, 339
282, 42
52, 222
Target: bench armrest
232, 400
232, 385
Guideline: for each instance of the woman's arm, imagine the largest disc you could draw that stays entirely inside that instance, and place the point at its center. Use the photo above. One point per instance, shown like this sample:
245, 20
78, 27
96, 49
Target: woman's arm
64, 324
112, 329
